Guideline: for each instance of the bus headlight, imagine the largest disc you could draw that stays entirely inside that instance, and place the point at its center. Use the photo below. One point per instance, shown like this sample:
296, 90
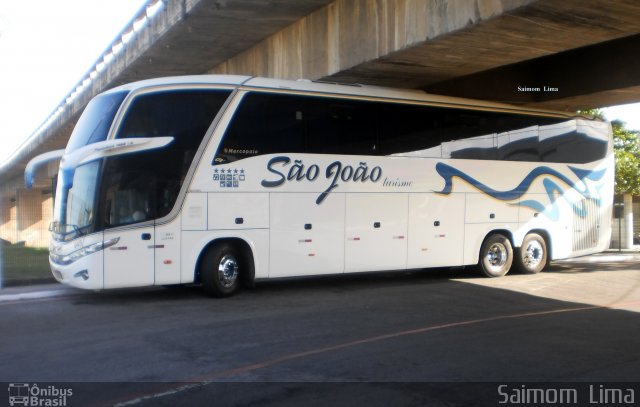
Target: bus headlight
85, 251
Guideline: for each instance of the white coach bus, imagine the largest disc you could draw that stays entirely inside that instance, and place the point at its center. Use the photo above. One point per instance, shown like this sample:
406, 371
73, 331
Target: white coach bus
224, 180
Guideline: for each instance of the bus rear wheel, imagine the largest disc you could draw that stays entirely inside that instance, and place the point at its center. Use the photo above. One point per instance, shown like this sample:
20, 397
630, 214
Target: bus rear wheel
532, 256
496, 255
220, 270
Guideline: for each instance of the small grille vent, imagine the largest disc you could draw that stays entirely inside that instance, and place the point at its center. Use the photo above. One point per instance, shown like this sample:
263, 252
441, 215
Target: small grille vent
586, 230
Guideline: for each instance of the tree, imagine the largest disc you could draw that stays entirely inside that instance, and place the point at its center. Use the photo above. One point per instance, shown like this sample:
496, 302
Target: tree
626, 146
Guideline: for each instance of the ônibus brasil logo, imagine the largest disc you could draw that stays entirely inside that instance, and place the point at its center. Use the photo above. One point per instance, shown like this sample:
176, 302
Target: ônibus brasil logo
25, 394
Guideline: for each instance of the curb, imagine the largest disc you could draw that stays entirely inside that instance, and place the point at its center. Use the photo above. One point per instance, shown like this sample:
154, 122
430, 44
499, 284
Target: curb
27, 282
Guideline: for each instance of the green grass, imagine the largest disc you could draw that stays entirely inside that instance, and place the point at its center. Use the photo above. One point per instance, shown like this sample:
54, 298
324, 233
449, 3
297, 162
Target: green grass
21, 263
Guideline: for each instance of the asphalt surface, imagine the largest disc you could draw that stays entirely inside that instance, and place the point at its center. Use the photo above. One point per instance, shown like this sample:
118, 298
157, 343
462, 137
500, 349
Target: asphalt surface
437, 337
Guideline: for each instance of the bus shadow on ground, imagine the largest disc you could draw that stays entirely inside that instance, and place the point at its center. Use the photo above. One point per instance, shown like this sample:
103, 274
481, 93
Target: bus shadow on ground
280, 286
338, 283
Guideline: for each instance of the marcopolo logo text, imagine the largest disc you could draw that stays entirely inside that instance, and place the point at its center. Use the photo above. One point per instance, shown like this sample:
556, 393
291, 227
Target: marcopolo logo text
335, 173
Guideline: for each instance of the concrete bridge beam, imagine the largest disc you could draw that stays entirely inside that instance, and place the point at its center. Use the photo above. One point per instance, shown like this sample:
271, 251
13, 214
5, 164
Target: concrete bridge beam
440, 46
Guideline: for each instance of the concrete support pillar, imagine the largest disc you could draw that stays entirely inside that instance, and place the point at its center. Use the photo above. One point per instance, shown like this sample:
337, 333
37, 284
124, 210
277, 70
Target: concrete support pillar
31, 228
628, 221
8, 216
25, 214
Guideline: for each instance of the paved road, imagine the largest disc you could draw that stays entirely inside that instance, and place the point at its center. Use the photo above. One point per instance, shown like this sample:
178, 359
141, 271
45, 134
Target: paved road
407, 338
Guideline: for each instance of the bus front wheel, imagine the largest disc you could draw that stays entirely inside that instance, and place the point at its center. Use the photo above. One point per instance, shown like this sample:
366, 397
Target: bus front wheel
531, 258
496, 255
220, 270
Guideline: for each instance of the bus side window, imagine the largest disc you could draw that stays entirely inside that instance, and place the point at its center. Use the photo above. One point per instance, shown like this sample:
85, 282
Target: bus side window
264, 124
337, 126
406, 128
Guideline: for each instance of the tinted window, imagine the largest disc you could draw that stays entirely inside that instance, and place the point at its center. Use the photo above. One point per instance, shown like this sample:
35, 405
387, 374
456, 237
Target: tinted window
428, 131
408, 128
575, 147
337, 126
277, 123
452, 133
274, 123
143, 186
264, 124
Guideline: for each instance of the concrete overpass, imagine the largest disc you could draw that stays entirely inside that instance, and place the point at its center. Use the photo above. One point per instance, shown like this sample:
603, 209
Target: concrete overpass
587, 51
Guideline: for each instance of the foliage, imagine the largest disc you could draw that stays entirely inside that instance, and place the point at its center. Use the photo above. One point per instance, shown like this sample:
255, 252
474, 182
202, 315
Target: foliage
626, 145
595, 113
19, 263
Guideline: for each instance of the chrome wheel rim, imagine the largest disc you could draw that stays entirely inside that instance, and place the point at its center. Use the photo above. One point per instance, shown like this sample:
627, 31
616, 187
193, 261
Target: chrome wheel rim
533, 254
496, 256
227, 271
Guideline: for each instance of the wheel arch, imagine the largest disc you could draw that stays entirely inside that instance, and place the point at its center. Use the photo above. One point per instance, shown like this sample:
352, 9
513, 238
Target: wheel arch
247, 278
506, 232
477, 234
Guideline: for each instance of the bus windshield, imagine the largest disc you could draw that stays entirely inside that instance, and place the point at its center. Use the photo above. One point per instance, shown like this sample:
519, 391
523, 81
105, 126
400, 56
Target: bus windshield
132, 188
74, 208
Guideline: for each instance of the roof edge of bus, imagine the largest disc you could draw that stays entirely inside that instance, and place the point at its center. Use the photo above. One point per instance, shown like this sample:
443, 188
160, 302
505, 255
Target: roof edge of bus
346, 89
234, 80
410, 95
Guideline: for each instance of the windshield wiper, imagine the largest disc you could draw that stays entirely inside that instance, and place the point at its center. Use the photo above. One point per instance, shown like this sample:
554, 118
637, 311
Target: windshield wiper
57, 228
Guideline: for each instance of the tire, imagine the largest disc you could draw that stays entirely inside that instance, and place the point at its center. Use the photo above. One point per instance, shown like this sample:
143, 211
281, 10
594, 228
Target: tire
532, 257
220, 270
496, 255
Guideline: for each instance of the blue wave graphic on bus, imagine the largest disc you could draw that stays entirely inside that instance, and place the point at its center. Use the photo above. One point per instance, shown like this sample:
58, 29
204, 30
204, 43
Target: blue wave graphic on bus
552, 188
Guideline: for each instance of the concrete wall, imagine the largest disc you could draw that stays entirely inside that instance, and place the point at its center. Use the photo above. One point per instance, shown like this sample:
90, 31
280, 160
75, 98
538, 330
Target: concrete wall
347, 33
8, 218
35, 210
25, 215
627, 228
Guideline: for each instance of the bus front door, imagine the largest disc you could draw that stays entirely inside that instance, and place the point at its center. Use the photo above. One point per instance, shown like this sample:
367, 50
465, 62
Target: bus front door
130, 262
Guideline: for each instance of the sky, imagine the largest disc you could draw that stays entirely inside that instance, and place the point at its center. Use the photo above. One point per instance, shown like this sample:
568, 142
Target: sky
47, 46
630, 114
